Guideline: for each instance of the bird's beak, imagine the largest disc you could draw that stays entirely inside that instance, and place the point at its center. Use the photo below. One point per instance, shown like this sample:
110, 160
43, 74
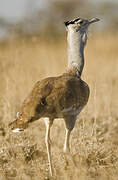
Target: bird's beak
93, 20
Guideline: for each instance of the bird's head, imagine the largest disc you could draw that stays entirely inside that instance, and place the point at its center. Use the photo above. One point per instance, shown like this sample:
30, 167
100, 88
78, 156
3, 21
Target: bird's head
79, 24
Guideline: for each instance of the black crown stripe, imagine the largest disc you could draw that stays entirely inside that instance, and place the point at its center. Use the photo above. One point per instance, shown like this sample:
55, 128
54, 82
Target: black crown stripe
71, 22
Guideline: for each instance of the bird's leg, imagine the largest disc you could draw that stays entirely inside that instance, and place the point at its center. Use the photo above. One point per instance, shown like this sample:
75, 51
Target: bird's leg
66, 148
66, 143
48, 124
69, 125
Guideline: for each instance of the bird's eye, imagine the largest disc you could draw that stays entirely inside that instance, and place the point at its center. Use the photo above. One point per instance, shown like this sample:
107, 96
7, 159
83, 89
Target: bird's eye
81, 22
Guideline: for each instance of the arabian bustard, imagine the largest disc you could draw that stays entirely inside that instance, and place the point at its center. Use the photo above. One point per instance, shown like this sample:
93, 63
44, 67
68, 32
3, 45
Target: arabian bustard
59, 97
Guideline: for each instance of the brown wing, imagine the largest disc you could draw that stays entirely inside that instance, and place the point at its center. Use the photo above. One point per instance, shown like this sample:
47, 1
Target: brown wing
70, 92
48, 98
67, 92
51, 96
37, 99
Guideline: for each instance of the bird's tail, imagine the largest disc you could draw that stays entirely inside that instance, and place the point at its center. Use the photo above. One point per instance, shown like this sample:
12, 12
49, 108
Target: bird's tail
17, 126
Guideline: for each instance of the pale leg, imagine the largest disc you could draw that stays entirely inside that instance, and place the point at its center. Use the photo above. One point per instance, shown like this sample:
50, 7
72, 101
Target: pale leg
48, 124
66, 143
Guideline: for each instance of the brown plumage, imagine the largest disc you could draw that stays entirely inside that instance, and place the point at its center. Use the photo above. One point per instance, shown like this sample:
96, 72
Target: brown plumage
59, 97
53, 97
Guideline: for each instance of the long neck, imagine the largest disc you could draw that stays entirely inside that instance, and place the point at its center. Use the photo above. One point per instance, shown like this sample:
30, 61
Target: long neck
76, 44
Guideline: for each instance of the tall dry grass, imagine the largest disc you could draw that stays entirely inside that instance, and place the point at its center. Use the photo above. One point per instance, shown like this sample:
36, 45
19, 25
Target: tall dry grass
94, 140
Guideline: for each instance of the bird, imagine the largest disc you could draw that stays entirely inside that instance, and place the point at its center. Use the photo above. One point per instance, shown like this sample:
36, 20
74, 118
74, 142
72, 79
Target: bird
62, 96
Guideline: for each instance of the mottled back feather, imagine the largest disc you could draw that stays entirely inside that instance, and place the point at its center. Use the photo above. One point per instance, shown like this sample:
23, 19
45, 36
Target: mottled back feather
53, 97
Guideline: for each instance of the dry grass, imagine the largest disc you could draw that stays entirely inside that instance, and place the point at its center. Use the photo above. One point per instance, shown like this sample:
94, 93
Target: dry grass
94, 140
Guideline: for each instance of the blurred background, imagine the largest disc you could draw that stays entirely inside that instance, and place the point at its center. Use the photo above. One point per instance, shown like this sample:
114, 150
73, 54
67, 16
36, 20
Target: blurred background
33, 46
29, 17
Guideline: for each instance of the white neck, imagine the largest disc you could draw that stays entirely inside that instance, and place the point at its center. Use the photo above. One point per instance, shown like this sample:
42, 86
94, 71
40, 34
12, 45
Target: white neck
76, 44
